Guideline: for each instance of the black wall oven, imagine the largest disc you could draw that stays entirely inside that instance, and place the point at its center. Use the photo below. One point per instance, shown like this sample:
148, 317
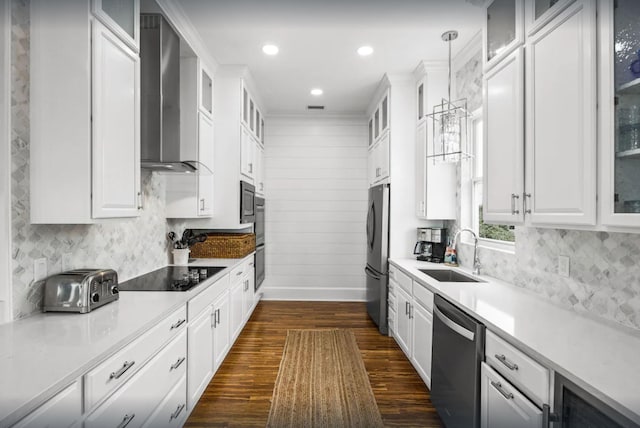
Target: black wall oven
247, 202
576, 408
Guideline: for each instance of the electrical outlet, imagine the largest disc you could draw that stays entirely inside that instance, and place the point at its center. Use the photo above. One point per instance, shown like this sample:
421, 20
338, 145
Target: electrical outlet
66, 262
563, 266
39, 269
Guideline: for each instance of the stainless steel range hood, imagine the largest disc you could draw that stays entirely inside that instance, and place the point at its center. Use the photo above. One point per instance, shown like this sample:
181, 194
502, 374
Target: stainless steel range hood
160, 97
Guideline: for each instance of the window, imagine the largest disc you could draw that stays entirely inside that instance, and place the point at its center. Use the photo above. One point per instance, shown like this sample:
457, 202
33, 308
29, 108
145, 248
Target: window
491, 235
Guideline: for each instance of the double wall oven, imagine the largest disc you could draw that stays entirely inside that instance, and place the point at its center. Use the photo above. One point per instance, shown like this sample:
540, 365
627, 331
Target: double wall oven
259, 231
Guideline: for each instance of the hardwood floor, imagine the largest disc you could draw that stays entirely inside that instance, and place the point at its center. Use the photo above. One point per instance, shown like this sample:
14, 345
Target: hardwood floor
239, 394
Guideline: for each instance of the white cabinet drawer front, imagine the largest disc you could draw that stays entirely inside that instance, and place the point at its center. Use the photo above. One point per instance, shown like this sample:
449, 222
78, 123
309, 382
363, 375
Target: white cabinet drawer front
63, 410
116, 370
503, 406
423, 296
204, 299
521, 370
239, 271
400, 278
136, 400
172, 412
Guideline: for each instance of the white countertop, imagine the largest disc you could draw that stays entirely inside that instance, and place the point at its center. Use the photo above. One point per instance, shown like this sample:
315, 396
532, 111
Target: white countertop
42, 354
600, 357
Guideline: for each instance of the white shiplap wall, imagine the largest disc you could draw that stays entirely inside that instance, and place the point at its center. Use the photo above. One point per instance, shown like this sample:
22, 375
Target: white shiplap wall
316, 204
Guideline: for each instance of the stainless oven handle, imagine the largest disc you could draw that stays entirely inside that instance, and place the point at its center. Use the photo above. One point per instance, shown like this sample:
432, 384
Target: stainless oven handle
371, 274
467, 334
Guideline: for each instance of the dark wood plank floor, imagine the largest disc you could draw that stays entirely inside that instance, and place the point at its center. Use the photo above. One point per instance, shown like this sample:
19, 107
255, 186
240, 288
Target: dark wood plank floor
239, 394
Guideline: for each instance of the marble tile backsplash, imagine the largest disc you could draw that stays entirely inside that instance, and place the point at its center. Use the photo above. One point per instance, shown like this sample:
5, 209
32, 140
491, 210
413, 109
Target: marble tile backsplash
131, 247
604, 275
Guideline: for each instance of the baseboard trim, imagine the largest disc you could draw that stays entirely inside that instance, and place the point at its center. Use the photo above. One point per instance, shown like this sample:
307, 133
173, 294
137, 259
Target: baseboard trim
315, 294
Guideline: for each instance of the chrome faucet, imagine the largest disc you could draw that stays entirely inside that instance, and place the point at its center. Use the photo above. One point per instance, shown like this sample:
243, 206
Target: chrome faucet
476, 261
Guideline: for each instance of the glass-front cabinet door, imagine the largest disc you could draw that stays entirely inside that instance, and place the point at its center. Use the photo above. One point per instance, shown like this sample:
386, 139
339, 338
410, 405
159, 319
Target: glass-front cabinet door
122, 17
620, 115
540, 12
503, 30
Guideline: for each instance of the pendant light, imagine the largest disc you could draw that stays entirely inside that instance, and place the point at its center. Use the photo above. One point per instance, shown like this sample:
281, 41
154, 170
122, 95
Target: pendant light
449, 120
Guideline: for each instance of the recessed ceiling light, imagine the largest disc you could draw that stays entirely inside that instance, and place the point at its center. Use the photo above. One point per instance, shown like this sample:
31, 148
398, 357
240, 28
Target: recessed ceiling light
365, 50
316, 92
270, 49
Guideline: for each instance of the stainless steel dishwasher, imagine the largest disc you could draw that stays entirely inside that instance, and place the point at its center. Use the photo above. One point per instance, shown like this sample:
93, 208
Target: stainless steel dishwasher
458, 350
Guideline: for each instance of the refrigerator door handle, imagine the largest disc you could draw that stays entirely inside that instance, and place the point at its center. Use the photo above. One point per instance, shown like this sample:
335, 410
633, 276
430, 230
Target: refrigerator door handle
371, 273
371, 226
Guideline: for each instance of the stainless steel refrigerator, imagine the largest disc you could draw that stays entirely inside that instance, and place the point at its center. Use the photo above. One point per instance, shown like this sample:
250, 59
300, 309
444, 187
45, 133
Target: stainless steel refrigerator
377, 254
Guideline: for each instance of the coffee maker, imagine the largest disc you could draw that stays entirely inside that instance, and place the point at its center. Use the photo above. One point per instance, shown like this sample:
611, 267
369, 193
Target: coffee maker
431, 244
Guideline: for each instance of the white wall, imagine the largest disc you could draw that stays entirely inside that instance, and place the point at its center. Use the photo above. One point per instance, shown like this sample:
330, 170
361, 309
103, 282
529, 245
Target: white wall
5, 162
316, 203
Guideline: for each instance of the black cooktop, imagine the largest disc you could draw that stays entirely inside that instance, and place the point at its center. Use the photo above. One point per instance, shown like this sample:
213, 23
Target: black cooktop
170, 278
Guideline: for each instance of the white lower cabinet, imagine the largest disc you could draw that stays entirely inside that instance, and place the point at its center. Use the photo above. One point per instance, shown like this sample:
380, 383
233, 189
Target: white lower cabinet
413, 326
132, 404
61, 411
200, 345
172, 412
221, 329
422, 339
503, 406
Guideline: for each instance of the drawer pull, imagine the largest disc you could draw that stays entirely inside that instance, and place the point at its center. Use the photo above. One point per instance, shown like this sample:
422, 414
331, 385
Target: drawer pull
178, 324
126, 420
498, 386
177, 363
503, 360
239, 273
175, 414
126, 366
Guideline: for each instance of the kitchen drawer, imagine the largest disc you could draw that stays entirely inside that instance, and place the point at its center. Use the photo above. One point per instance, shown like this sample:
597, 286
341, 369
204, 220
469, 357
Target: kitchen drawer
63, 410
172, 412
132, 404
240, 270
206, 297
115, 371
521, 370
400, 278
423, 296
391, 299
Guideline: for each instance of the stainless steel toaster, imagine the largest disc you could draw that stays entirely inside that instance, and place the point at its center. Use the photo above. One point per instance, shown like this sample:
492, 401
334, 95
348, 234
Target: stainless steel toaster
80, 290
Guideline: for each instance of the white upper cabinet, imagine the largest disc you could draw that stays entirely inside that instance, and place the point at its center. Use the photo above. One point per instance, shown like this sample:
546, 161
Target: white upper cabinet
121, 17
553, 124
115, 131
435, 183
379, 141
85, 121
191, 195
561, 119
503, 110
539, 12
503, 30
247, 155
619, 113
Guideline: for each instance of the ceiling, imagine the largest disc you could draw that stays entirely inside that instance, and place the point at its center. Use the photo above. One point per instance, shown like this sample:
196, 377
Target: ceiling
318, 40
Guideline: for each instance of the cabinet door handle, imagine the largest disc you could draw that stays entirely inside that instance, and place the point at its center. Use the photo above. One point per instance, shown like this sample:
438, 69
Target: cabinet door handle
126, 420
410, 311
177, 412
503, 359
239, 273
406, 308
505, 394
140, 201
250, 168
201, 204
514, 210
178, 324
548, 416
177, 363
213, 317
126, 366
527, 196
217, 317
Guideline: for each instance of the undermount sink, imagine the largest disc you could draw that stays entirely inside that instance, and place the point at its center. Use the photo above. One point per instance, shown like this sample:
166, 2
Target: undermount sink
448, 275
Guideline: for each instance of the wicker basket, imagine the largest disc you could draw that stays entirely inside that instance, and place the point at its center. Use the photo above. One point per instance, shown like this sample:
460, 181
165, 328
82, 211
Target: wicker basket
225, 246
